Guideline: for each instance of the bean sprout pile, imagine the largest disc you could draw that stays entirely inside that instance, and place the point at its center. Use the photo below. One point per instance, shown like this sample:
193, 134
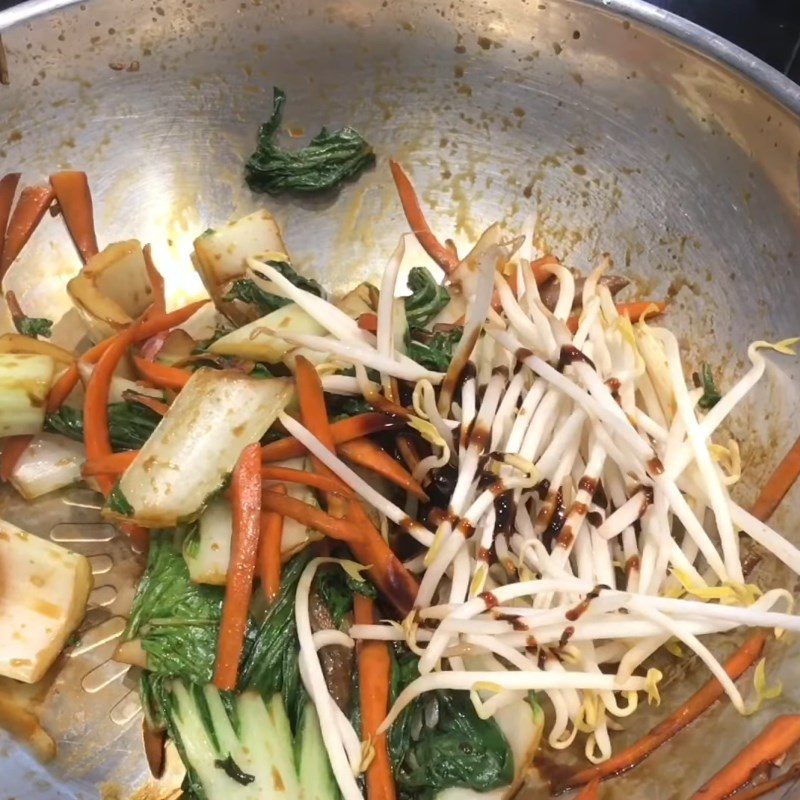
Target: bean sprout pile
590, 521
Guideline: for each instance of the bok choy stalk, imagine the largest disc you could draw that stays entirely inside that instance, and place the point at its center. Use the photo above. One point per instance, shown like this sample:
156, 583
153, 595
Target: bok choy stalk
220, 256
197, 444
112, 289
255, 340
239, 747
50, 462
25, 380
173, 621
330, 158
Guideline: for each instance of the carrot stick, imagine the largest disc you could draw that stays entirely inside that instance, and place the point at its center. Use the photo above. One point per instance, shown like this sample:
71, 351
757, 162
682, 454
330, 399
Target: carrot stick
75, 199
366, 453
246, 503
343, 431
159, 305
8, 188
633, 311
161, 375
743, 658
374, 680
139, 537
68, 380
310, 516
269, 551
95, 405
779, 483
539, 267
33, 202
110, 464
368, 322
590, 792
316, 480
772, 743
13, 448
444, 257
157, 406
793, 773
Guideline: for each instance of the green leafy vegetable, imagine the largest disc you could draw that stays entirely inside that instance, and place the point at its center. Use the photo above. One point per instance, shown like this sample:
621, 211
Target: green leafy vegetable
248, 291
711, 395
434, 351
129, 424
330, 158
118, 503
33, 326
427, 299
271, 665
337, 589
461, 750
175, 620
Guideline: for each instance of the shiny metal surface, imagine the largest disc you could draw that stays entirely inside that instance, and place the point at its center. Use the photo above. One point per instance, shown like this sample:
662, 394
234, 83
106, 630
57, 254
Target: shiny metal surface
590, 118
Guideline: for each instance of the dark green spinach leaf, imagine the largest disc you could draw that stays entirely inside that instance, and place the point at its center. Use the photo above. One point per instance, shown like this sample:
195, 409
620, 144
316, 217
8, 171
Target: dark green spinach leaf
177, 621
129, 424
34, 326
118, 503
711, 395
248, 291
460, 751
330, 158
434, 351
427, 298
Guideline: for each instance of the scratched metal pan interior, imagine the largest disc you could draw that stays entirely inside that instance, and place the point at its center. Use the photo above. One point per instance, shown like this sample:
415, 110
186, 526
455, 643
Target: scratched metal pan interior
625, 130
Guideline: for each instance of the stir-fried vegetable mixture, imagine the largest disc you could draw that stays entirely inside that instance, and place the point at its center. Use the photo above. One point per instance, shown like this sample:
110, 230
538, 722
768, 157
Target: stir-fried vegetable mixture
397, 538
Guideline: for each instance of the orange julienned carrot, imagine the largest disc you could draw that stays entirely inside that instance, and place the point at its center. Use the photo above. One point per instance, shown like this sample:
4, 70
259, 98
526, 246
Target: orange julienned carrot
269, 550
310, 516
246, 506
778, 484
386, 571
8, 188
372, 456
69, 378
95, 405
772, 743
313, 479
374, 682
442, 255
33, 202
157, 406
161, 375
539, 267
343, 431
110, 464
791, 774
368, 322
314, 414
159, 305
590, 792
633, 311
75, 200
743, 658
13, 448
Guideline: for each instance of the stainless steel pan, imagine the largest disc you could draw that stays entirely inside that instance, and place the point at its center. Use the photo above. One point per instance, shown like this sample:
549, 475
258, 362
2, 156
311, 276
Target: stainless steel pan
621, 128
